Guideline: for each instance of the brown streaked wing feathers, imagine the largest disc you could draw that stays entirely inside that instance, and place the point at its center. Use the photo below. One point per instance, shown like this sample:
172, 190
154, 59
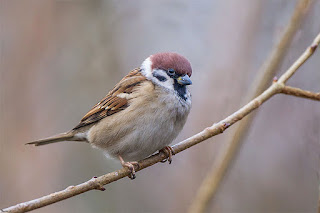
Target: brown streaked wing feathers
112, 104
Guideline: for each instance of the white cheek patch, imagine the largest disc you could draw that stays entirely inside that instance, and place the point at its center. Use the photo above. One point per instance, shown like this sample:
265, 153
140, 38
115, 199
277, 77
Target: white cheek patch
146, 68
167, 83
148, 72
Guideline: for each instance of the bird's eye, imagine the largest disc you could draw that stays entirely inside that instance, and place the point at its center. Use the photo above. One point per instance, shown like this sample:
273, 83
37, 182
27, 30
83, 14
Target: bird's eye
171, 71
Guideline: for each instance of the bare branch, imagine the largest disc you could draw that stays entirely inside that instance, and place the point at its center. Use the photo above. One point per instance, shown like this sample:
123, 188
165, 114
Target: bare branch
309, 51
262, 80
99, 182
300, 93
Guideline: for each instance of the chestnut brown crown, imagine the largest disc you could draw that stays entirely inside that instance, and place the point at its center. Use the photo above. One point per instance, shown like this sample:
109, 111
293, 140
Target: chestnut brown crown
174, 61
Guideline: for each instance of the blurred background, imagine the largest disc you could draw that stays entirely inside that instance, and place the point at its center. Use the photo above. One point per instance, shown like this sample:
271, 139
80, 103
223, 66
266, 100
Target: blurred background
60, 57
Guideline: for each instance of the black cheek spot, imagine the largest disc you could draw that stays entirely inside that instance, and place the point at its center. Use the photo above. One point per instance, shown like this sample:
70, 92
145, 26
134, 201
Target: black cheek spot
160, 77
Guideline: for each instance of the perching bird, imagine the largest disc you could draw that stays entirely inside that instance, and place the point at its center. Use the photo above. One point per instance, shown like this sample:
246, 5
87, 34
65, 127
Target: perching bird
143, 113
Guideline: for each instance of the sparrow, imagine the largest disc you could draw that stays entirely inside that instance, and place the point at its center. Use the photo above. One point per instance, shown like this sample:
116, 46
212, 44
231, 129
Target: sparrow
142, 114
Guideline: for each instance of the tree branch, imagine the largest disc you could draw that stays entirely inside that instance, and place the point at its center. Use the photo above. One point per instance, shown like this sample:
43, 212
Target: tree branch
99, 182
300, 93
294, 67
227, 152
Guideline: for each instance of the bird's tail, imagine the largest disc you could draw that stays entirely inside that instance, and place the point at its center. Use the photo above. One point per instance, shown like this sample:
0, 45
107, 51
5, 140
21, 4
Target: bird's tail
67, 136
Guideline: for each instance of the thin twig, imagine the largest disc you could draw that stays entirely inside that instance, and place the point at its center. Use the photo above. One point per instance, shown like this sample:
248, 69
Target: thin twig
228, 151
300, 93
294, 67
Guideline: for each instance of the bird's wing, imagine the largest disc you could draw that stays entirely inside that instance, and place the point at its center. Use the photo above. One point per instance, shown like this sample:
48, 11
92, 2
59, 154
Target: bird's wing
112, 103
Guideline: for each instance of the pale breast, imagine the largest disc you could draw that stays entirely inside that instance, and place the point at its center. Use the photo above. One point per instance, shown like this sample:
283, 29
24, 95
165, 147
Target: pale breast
153, 120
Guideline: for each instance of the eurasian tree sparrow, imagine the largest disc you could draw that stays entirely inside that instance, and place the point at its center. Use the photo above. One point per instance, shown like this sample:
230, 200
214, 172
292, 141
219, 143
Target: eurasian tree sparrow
143, 113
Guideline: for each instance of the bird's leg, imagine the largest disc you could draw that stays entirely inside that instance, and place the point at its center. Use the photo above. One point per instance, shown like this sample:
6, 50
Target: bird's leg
168, 151
130, 166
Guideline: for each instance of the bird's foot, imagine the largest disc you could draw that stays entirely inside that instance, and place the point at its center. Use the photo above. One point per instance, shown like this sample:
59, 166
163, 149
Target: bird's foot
169, 152
130, 165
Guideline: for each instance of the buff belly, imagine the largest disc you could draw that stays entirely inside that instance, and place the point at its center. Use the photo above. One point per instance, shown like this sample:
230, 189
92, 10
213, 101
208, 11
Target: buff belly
148, 124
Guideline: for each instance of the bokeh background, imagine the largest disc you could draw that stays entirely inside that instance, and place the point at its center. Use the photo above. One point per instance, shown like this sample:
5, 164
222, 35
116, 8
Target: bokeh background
60, 57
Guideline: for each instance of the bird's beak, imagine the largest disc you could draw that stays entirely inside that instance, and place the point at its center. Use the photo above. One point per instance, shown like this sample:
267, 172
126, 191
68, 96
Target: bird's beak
184, 80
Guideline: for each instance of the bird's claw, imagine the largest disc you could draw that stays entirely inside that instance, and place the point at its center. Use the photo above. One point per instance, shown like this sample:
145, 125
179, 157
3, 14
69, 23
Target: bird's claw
169, 152
130, 166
